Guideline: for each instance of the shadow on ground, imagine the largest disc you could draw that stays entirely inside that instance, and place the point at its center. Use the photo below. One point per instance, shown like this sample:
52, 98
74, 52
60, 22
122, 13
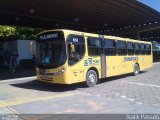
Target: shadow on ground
6, 74
42, 86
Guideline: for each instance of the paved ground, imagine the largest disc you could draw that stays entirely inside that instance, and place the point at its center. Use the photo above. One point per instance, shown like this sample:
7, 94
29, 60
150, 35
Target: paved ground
116, 95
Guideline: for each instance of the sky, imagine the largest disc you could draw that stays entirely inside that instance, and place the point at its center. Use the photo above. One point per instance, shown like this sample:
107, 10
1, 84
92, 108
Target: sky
152, 3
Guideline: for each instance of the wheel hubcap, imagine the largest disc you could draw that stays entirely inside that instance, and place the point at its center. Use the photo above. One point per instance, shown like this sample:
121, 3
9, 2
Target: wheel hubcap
92, 78
136, 70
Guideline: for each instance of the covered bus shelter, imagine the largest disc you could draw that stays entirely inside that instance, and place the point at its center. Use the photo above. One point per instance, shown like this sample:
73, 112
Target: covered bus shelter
126, 18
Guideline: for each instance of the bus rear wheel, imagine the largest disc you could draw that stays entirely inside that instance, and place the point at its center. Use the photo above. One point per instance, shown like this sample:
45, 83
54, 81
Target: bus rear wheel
136, 69
91, 78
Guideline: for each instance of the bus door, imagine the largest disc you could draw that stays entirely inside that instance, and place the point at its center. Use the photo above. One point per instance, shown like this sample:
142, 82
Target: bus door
76, 50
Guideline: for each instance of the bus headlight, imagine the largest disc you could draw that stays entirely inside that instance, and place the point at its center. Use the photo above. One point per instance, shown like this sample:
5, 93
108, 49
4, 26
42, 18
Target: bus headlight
59, 72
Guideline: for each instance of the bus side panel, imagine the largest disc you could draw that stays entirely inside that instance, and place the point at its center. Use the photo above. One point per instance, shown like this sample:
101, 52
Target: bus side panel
113, 64
92, 62
76, 73
130, 66
118, 65
145, 61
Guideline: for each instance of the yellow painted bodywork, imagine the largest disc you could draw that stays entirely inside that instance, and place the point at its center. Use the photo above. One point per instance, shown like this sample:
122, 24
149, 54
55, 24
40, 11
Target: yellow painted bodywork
115, 65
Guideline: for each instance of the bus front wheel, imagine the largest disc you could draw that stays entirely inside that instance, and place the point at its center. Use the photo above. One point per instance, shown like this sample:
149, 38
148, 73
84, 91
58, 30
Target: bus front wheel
136, 69
91, 78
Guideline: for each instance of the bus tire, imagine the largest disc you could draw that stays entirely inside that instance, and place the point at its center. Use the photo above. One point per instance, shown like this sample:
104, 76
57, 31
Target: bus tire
136, 69
91, 78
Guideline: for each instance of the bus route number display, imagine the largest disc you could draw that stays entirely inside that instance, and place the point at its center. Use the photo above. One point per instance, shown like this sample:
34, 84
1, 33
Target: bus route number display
75, 40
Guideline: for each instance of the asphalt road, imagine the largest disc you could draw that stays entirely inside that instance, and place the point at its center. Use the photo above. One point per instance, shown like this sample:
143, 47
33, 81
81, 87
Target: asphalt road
125, 94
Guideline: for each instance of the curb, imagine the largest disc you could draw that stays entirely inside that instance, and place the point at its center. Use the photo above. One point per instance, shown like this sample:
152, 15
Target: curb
17, 79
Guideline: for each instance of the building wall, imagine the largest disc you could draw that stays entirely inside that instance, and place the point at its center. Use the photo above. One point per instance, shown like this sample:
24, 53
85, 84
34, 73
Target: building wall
24, 51
22, 47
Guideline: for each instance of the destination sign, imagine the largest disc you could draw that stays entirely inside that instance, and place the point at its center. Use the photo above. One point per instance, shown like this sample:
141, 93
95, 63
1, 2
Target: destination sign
51, 35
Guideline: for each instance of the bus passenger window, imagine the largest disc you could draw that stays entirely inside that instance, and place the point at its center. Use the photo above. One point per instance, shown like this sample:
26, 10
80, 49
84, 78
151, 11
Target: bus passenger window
130, 47
137, 49
121, 48
94, 47
143, 49
148, 49
110, 47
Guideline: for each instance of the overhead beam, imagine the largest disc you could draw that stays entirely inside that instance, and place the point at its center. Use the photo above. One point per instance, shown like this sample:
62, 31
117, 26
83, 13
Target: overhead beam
135, 29
150, 29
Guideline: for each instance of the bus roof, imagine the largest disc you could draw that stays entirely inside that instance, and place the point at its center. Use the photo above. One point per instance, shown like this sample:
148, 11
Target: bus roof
94, 35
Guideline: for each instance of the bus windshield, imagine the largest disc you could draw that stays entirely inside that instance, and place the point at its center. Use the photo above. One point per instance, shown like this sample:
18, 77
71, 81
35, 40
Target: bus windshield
50, 53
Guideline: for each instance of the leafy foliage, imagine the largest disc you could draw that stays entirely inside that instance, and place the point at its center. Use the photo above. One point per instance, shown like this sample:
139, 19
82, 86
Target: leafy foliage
7, 32
13, 32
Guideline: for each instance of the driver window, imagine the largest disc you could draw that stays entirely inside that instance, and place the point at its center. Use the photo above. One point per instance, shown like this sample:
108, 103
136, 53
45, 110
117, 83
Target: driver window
76, 49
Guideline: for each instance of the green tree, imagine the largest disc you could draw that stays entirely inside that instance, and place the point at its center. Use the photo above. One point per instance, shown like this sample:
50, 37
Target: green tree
13, 32
7, 32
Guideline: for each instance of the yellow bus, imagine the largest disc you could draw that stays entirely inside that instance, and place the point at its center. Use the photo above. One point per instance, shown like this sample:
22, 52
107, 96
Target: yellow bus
67, 57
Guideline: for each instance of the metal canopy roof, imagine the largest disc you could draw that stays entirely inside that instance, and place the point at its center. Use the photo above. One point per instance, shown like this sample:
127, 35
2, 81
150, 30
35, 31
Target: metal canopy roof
86, 15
